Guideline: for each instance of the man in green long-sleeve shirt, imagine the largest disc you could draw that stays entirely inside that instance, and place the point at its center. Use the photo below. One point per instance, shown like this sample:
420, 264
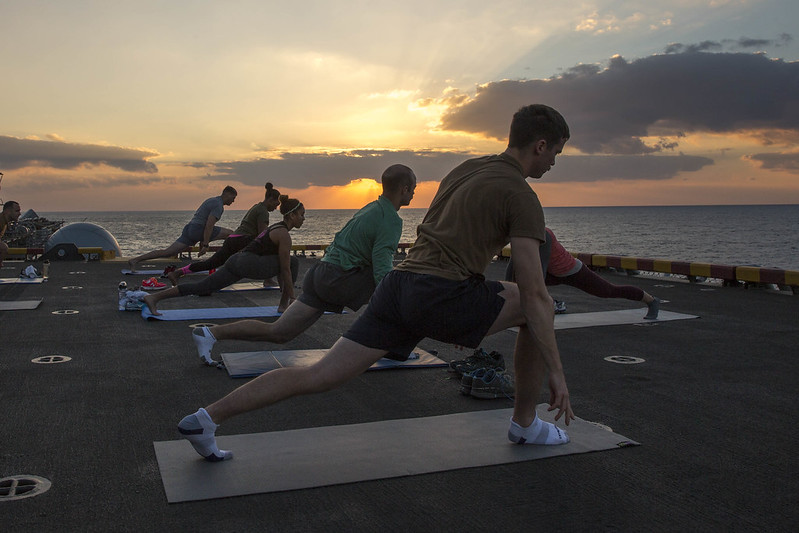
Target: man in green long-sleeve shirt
361, 254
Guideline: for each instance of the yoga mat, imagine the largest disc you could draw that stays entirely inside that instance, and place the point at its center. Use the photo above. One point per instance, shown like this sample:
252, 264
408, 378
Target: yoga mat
21, 280
332, 455
128, 272
248, 286
251, 364
207, 314
614, 318
19, 305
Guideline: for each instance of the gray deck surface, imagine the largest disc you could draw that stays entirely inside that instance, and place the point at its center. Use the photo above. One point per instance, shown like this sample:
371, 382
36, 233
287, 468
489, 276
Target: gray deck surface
713, 406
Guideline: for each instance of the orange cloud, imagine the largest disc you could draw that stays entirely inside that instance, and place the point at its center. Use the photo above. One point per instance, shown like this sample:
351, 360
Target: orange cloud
356, 194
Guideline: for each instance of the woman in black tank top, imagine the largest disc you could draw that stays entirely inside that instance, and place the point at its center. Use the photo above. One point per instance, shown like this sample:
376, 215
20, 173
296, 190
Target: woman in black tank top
268, 255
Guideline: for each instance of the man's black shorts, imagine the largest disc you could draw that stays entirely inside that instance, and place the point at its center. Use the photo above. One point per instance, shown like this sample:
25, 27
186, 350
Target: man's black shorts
407, 307
330, 288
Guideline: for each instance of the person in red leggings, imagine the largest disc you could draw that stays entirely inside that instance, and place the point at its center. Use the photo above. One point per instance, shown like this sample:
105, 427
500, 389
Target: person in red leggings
564, 269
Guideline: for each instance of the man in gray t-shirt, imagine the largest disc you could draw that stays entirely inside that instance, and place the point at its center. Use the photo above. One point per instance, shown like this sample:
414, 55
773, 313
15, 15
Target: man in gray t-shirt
201, 228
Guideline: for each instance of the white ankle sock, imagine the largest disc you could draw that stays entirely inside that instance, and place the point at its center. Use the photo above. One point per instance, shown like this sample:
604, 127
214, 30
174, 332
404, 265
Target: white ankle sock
204, 340
539, 432
199, 429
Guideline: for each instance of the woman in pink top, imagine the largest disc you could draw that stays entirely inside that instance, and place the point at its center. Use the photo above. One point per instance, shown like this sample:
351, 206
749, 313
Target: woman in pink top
564, 269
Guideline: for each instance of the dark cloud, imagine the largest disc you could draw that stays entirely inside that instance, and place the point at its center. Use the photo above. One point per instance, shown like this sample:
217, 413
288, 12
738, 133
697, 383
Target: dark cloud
48, 183
787, 162
610, 110
298, 170
20, 153
743, 43
623, 167
704, 46
303, 170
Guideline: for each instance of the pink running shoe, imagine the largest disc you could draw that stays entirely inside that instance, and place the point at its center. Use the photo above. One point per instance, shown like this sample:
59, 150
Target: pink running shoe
151, 284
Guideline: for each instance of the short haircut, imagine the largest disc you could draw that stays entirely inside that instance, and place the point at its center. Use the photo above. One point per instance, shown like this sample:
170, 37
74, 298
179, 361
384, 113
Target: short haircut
534, 122
396, 177
9, 205
229, 189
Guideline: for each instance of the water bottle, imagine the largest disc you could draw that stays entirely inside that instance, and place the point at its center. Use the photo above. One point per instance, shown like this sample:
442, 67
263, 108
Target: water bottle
122, 295
46, 268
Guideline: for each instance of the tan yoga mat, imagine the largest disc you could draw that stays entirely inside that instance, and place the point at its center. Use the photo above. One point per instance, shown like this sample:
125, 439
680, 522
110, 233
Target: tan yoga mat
612, 318
250, 364
19, 305
332, 455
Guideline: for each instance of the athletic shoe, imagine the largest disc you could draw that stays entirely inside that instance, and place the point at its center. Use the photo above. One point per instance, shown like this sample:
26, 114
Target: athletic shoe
152, 284
560, 306
493, 384
468, 378
479, 359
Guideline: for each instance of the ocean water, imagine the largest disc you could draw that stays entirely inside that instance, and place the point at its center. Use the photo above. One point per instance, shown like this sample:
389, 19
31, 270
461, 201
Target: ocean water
764, 236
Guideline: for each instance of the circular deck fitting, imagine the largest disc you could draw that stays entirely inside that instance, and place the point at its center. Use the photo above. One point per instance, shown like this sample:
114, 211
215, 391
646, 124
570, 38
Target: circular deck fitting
624, 359
66, 312
202, 324
51, 359
24, 486
77, 272
71, 287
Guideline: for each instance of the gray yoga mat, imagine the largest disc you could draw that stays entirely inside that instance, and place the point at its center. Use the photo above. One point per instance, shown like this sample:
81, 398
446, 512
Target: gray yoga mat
248, 286
19, 305
211, 313
332, 455
128, 272
251, 364
614, 318
21, 280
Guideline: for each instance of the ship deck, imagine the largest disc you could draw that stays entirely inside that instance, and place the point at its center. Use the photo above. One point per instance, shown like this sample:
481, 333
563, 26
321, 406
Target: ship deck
712, 405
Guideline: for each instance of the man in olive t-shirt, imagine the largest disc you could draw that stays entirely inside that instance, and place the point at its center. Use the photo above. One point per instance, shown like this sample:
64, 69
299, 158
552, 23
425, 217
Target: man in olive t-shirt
440, 292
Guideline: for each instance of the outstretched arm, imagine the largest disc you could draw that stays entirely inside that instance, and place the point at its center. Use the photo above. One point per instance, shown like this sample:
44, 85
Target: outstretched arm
207, 233
383, 250
539, 317
282, 238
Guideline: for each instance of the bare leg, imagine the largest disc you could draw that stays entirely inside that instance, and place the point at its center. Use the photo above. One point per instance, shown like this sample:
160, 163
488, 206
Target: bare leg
528, 363
345, 360
152, 299
297, 318
174, 276
530, 369
173, 249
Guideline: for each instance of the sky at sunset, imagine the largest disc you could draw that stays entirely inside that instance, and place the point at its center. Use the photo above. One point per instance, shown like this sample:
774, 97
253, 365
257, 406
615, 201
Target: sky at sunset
158, 105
